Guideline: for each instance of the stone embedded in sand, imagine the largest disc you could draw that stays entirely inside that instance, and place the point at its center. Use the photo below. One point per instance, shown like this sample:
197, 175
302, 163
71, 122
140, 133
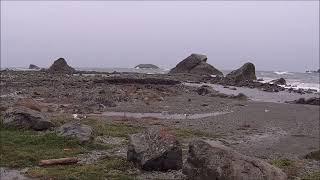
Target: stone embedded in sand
245, 72
76, 130
204, 90
61, 66
280, 81
24, 118
146, 66
212, 160
32, 66
195, 64
155, 150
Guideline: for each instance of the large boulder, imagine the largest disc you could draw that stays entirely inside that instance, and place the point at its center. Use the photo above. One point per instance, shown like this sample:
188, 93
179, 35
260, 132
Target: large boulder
204, 90
29, 103
146, 66
32, 66
155, 150
24, 118
245, 72
195, 64
280, 81
61, 66
212, 160
76, 130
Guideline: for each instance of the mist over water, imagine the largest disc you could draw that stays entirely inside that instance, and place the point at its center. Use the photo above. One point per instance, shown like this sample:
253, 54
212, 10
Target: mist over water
272, 35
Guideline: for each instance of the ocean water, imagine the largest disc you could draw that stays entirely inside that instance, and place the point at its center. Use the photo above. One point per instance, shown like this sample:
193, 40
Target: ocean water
295, 79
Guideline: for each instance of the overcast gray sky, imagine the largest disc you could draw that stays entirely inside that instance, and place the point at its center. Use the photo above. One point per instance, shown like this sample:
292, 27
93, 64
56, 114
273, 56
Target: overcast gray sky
273, 35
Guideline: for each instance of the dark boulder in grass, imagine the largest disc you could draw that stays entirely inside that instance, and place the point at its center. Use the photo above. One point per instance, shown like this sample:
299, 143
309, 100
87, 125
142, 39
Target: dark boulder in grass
25, 118
195, 64
244, 73
212, 160
146, 66
280, 81
76, 130
155, 150
32, 66
61, 66
29, 103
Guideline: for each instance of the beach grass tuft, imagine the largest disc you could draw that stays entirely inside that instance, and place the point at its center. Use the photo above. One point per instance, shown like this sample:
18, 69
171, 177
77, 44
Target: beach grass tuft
21, 148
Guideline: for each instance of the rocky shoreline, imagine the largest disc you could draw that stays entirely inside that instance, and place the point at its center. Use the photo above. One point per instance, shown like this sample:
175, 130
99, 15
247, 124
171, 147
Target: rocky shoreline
196, 131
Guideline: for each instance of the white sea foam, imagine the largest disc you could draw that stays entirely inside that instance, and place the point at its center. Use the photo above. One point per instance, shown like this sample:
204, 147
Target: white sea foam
281, 72
301, 85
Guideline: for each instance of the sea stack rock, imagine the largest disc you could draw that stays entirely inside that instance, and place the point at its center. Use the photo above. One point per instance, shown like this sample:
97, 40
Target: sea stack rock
146, 66
245, 72
32, 66
61, 66
195, 64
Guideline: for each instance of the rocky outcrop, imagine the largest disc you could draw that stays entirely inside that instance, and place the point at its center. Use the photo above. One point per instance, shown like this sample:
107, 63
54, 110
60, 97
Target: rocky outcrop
212, 160
310, 101
24, 118
76, 130
32, 66
244, 73
146, 66
61, 66
137, 81
155, 150
195, 64
280, 81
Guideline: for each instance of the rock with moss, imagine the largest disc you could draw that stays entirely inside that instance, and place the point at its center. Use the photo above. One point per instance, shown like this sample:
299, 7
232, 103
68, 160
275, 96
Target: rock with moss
76, 130
24, 118
155, 150
211, 160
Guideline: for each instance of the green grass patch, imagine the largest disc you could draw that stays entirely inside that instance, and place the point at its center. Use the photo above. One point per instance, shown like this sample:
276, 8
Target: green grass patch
102, 128
312, 176
26, 148
110, 168
282, 163
290, 167
188, 133
113, 130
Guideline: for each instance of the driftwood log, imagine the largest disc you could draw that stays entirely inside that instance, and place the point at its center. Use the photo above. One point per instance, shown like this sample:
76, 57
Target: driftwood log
60, 161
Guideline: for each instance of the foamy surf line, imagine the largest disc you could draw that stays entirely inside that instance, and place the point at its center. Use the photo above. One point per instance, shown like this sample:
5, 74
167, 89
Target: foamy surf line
165, 115
295, 84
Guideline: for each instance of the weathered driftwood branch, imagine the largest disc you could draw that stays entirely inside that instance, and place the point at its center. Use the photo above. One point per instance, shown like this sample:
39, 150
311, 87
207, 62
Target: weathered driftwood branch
60, 161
